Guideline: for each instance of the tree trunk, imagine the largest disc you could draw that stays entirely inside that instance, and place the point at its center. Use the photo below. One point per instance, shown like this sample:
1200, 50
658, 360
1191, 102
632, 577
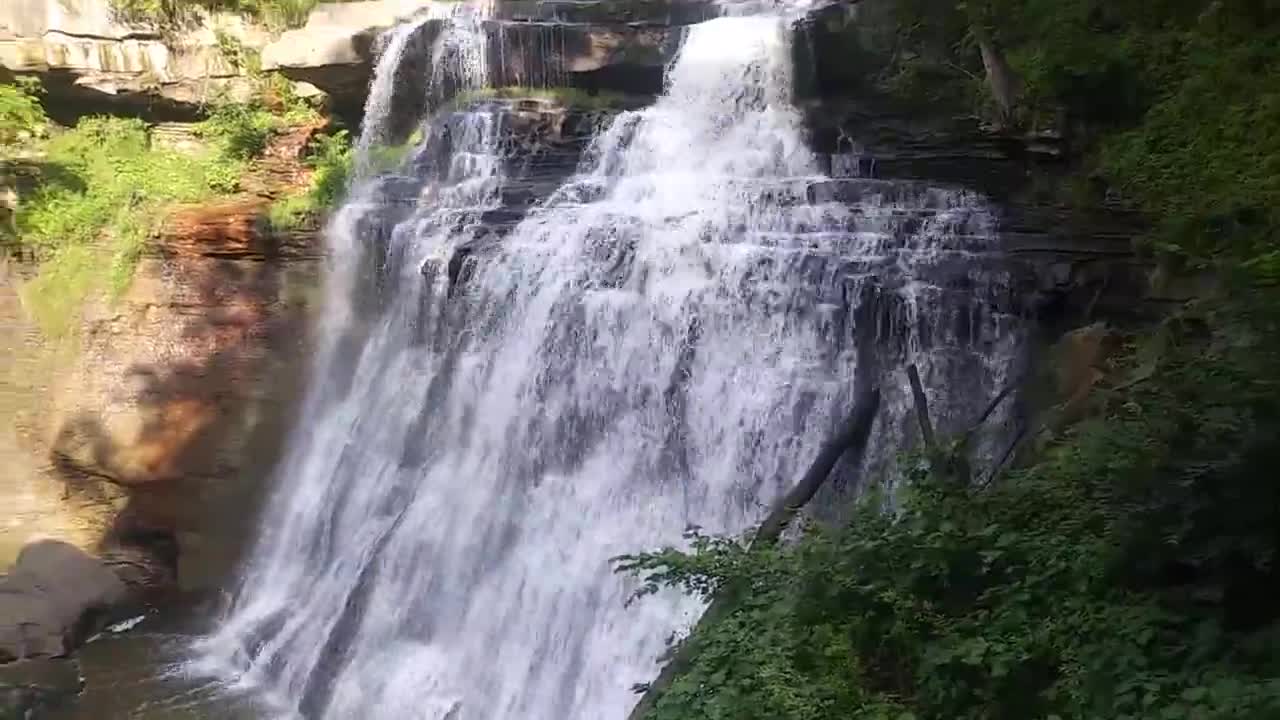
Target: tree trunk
1002, 80
852, 436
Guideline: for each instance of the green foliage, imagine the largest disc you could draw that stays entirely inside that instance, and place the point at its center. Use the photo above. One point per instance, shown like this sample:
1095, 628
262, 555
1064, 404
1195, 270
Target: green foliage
1128, 575
239, 56
1206, 159
21, 115
105, 191
169, 13
241, 130
277, 94
290, 212
330, 157
566, 96
1175, 99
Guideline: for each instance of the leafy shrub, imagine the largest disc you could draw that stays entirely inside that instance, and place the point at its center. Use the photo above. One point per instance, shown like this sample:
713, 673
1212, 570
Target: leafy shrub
331, 157
290, 212
106, 192
241, 130
20, 112
1129, 573
223, 175
275, 13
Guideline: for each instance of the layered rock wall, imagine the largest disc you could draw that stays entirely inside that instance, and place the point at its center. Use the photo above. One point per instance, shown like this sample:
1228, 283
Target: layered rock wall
92, 60
156, 430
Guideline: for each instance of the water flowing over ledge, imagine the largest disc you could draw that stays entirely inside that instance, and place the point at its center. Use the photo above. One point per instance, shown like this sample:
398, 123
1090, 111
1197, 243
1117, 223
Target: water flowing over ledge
663, 342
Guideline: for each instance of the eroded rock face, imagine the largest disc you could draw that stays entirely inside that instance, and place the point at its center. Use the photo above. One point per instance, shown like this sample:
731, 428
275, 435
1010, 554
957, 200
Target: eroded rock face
182, 390
147, 443
615, 45
34, 502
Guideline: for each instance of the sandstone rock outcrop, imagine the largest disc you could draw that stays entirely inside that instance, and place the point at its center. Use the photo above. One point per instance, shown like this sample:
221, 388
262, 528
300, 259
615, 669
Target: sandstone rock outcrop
183, 387
91, 60
149, 442
89, 57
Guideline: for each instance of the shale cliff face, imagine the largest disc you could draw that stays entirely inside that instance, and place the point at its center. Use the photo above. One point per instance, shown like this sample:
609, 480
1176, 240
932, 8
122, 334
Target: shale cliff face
90, 59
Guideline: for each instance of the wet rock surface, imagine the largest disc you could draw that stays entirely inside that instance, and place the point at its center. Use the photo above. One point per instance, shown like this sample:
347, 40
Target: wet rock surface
1080, 258
31, 689
53, 598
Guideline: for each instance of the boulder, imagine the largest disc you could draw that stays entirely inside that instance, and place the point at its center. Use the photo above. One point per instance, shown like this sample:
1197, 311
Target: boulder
30, 687
52, 599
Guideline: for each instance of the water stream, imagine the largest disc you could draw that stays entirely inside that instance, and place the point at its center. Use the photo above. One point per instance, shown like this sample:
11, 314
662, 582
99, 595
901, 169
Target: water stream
661, 343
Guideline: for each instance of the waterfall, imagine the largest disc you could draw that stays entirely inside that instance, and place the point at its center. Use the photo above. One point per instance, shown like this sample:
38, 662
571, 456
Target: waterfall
664, 342
459, 63
377, 107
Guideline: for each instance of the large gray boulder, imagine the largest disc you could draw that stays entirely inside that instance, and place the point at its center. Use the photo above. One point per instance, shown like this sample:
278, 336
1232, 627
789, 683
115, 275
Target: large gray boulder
52, 598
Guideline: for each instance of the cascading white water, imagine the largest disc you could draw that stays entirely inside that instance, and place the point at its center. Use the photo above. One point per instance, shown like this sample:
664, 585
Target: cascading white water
663, 343
377, 106
458, 57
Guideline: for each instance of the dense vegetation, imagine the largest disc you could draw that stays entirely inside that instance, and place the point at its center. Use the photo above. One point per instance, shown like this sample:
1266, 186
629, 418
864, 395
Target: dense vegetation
1128, 569
102, 188
1127, 574
168, 13
21, 116
1174, 102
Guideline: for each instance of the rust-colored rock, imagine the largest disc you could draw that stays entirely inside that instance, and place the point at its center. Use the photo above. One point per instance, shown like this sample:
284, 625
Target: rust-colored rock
181, 389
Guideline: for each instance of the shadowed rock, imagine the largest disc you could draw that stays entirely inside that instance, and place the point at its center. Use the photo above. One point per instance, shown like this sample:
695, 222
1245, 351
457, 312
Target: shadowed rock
53, 598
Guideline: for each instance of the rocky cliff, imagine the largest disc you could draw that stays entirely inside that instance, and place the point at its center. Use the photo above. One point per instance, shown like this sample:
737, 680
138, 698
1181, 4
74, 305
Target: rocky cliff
146, 443
158, 431
91, 60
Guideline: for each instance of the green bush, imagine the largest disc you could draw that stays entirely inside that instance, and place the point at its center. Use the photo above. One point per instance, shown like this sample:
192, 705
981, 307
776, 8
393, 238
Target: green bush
330, 156
274, 13
240, 130
1174, 100
105, 193
1130, 574
20, 112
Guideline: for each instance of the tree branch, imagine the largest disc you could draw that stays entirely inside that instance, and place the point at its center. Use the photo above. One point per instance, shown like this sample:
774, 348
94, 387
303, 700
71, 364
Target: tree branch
922, 408
851, 436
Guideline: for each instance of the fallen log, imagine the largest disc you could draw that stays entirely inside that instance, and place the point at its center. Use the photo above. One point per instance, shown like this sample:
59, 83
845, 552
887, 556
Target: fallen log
922, 410
850, 437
